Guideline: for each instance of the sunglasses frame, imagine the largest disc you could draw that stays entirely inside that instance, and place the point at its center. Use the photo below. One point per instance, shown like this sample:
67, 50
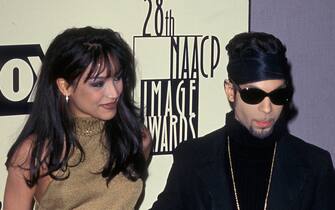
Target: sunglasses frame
262, 94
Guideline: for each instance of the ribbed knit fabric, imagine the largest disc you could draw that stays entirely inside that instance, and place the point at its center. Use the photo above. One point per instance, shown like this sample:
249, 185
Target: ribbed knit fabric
251, 159
85, 188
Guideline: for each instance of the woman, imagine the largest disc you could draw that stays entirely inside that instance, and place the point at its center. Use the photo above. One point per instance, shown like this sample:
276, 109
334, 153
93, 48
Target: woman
83, 146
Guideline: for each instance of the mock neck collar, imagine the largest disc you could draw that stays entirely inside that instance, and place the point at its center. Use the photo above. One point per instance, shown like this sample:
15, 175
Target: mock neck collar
88, 126
240, 134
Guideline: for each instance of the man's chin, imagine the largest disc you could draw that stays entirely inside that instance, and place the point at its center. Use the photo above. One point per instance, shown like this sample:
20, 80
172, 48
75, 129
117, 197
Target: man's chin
261, 133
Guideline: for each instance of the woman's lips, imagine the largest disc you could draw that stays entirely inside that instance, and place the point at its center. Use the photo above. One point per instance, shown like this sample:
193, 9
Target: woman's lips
109, 105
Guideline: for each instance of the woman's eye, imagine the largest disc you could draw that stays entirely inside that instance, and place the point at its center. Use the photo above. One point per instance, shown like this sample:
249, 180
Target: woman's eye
117, 77
97, 84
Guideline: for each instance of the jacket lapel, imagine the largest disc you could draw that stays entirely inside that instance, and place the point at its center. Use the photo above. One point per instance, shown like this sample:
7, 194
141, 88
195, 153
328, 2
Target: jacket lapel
289, 177
211, 172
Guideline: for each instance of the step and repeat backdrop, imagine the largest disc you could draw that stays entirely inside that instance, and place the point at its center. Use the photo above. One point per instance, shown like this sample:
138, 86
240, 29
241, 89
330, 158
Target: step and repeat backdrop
179, 48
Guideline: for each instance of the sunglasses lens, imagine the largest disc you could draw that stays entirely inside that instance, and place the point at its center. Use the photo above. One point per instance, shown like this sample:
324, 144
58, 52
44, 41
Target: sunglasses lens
252, 95
280, 96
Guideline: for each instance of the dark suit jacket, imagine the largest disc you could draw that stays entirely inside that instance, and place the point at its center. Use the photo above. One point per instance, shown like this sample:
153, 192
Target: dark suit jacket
302, 178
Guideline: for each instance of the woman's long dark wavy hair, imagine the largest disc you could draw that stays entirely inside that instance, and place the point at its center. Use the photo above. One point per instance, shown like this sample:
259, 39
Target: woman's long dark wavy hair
50, 121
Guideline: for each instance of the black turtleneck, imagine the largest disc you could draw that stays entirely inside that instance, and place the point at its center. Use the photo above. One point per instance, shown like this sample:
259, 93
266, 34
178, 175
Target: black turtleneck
251, 160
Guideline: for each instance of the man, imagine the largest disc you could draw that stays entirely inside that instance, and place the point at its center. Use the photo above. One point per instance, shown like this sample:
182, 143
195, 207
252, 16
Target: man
253, 162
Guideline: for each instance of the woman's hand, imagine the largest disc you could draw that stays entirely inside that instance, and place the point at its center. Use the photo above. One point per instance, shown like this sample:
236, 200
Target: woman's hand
146, 143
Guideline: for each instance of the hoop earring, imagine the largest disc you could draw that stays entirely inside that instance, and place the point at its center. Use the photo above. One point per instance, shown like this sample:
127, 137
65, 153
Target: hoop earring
67, 99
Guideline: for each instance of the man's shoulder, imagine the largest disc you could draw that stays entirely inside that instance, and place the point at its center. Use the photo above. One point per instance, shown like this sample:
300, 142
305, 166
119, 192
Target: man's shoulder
308, 151
202, 146
302, 144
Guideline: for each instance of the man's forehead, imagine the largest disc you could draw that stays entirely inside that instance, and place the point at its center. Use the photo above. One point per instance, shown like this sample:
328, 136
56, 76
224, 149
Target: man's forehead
265, 84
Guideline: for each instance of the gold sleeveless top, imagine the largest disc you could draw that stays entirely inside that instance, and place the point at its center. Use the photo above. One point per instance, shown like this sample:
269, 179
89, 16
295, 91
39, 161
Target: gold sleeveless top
85, 188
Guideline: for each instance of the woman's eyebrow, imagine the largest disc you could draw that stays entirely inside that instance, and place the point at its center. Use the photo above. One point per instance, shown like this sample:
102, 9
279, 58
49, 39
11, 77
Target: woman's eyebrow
96, 77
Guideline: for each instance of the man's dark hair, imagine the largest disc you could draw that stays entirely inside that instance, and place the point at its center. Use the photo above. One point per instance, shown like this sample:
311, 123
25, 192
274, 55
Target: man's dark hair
257, 56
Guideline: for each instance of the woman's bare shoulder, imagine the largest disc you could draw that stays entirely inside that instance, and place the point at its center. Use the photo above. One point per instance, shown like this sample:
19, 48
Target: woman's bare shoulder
22, 154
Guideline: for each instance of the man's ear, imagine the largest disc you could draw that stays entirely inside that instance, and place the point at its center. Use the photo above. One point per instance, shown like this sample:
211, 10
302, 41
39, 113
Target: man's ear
64, 87
229, 89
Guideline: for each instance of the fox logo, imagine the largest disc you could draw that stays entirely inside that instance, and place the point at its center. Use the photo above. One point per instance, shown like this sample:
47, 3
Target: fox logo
19, 66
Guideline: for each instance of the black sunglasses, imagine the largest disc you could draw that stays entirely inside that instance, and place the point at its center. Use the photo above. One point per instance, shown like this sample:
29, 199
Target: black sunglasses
279, 96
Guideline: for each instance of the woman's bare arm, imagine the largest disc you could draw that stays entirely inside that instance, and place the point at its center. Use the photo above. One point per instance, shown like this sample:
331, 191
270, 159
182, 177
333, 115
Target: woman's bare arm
18, 195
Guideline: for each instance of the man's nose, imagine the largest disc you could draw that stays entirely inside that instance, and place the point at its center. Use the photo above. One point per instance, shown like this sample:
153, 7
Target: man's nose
266, 105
